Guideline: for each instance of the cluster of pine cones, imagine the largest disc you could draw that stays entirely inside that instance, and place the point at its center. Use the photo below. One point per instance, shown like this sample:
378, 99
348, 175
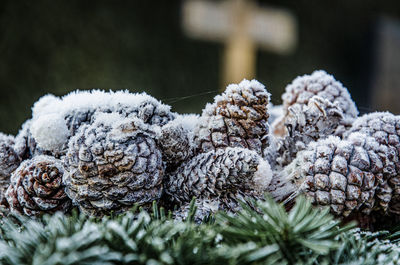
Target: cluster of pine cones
104, 152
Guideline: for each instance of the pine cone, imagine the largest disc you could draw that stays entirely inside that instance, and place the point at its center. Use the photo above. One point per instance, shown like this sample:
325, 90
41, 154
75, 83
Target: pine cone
113, 164
351, 176
321, 84
219, 174
384, 127
9, 161
36, 187
237, 118
306, 123
176, 140
79, 108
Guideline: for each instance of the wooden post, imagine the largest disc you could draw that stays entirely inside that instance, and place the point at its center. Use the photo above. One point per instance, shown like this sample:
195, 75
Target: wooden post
243, 27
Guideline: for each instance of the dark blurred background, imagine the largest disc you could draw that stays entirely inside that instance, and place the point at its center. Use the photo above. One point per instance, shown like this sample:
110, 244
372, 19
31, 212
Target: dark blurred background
59, 46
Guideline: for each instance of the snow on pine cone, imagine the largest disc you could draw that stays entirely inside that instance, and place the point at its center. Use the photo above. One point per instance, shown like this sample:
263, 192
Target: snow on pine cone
307, 123
25, 145
350, 176
36, 187
321, 84
9, 161
383, 126
219, 174
176, 139
113, 164
55, 120
237, 118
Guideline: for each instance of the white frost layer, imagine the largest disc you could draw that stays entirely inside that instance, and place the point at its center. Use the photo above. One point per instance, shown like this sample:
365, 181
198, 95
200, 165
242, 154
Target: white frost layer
263, 176
187, 121
322, 84
376, 121
92, 100
48, 114
244, 89
50, 131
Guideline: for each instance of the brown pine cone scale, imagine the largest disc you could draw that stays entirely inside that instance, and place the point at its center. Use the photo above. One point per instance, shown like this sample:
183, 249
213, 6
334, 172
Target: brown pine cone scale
36, 187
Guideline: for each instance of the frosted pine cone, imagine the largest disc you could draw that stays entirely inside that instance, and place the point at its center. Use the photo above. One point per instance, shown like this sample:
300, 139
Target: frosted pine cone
306, 123
321, 84
112, 165
9, 161
351, 176
218, 174
176, 139
237, 118
55, 120
383, 126
36, 187
78, 107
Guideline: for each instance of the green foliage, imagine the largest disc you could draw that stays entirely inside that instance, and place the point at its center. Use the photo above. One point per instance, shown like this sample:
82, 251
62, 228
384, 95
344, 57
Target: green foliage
269, 235
357, 247
303, 233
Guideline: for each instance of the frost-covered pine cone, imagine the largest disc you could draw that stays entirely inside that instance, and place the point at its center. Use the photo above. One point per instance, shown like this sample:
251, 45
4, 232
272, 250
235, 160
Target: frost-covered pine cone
383, 126
176, 140
113, 164
237, 118
36, 187
219, 174
55, 120
351, 176
321, 84
9, 161
307, 123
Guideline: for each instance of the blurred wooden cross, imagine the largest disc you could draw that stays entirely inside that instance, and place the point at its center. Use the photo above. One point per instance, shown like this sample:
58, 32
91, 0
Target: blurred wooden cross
242, 26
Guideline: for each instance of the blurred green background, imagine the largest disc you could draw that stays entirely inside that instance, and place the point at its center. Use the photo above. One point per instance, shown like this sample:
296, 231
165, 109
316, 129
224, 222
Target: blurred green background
59, 46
